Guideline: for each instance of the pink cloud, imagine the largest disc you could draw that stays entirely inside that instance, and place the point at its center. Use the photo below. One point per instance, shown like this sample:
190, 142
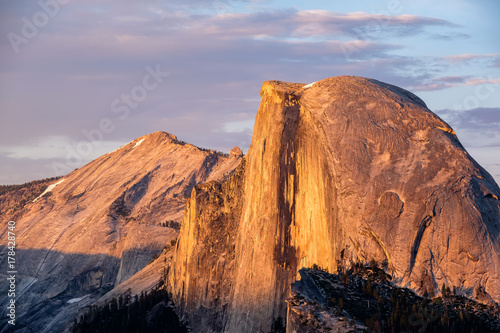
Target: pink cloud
469, 56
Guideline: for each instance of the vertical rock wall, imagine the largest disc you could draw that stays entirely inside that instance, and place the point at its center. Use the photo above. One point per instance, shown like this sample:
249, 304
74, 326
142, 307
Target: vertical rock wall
202, 272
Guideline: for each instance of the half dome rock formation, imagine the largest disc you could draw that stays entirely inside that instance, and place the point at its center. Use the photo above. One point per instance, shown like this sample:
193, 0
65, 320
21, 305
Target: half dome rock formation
94, 228
343, 170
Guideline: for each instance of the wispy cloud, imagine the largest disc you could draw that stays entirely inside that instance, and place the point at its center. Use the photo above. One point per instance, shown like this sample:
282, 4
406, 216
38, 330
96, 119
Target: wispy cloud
112, 25
467, 57
314, 24
440, 83
54, 147
449, 36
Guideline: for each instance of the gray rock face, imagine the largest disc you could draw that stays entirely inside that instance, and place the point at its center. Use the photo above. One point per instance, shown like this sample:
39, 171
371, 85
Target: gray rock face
345, 165
101, 224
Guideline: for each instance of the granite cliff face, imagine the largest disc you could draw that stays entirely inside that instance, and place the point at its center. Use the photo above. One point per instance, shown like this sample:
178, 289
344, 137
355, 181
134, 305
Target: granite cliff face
94, 228
203, 269
345, 169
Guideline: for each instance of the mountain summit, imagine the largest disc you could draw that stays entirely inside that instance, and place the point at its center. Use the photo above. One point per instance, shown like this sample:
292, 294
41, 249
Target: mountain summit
339, 171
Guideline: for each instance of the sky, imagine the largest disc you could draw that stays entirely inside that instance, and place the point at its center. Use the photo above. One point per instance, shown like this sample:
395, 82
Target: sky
81, 78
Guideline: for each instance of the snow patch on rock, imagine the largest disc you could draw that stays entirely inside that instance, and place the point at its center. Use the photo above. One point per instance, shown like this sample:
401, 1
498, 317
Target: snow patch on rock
138, 143
309, 85
48, 189
74, 300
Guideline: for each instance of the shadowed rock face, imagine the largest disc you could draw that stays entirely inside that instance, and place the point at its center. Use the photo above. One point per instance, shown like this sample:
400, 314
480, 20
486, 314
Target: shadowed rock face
345, 165
101, 224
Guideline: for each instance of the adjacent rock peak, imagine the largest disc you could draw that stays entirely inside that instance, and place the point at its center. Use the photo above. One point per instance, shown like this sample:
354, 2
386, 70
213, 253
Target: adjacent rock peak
157, 138
161, 134
236, 151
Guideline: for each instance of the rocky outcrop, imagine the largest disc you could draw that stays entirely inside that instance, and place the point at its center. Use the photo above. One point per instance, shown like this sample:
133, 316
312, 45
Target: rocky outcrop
345, 168
310, 308
203, 269
94, 228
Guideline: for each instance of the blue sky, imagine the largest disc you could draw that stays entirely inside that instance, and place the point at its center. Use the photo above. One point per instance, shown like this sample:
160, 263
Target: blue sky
76, 76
